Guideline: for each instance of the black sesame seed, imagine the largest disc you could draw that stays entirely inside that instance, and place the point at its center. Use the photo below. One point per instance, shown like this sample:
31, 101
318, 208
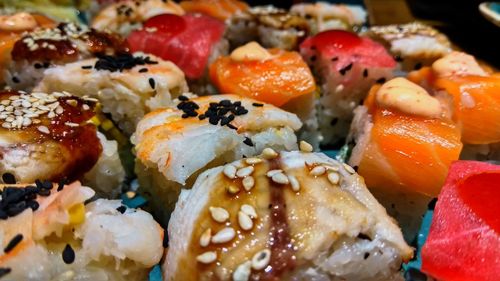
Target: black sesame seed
183, 98
121, 209
33, 205
344, 70
365, 72
248, 141
185, 115
366, 255
61, 184
13, 243
142, 70
214, 120
380, 80
152, 83
38, 65
4, 271
15, 79
68, 254
257, 104
47, 184
202, 116
44, 192
87, 67
8, 178
232, 126
225, 102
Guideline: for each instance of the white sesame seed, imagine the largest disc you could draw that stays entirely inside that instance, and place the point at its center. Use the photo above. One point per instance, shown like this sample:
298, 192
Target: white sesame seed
305, 146
271, 173
248, 183
72, 102
230, 171
71, 124
249, 210
243, 271
26, 104
219, 214
280, 178
244, 221
85, 107
5, 102
6, 125
59, 110
225, 235
317, 171
9, 119
333, 177
269, 153
9, 108
26, 121
261, 259
244, 172
51, 115
43, 129
331, 168
232, 189
205, 237
348, 168
253, 160
294, 183
207, 257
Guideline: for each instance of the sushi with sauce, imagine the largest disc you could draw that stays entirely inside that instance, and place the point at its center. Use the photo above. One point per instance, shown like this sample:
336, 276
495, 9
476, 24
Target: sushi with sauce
219, 9
413, 45
43, 48
127, 85
175, 144
304, 217
274, 76
125, 16
346, 66
191, 41
270, 26
323, 16
476, 102
465, 225
49, 232
405, 141
47, 136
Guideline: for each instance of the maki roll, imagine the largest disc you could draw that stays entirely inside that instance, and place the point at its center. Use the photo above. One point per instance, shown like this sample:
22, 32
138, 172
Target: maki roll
270, 26
127, 85
48, 136
305, 217
47, 232
346, 66
323, 16
413, 45
274, 76
191, 41
405, 141
122, 17
175, 144
219, 9
43, 48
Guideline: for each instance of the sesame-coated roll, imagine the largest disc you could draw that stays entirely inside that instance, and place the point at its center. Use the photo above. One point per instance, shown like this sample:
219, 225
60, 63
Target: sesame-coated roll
296, 216
175, 144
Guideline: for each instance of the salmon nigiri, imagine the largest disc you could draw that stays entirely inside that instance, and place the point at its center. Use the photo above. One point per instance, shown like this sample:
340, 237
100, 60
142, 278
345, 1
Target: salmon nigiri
405, 142
273, 76
219, 9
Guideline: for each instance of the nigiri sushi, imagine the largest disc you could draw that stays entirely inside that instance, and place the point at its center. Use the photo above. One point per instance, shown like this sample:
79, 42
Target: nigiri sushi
173, 145
465, 225
346, 66
270, 26
413, 45
305, 217
325, 16
48, 232
127, 85
219, 9
405, 141
47, 136
192, 42
42, 48
274, 76
124, 16
475, 98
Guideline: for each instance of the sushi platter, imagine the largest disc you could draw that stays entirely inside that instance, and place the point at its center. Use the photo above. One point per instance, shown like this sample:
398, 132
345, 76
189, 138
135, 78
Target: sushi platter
216, 140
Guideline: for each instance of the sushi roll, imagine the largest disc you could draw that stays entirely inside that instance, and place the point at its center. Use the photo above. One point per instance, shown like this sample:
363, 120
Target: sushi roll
49, 232
122, 17
219, 9
405, 141
413, 45
175, 144
346, 66
305, 217
192, 42
127, 85
274, 76
47, 136
270, 26
476, 102
323, 16
43, 48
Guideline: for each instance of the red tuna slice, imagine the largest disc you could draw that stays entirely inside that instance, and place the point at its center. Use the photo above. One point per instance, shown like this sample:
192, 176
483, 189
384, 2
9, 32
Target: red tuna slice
464, 239
185, 40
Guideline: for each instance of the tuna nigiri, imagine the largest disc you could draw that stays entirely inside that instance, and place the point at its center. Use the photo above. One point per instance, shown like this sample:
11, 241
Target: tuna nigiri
219, 9
273, 76
405, 142
464, 238
346, 66
190, 41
